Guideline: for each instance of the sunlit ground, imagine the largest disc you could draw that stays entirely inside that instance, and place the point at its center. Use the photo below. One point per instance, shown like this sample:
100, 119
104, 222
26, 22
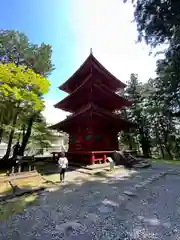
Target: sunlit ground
16, 205
29, 183
5, 188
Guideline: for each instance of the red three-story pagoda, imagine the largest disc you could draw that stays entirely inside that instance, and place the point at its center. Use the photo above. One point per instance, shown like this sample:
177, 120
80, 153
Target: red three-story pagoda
93, 126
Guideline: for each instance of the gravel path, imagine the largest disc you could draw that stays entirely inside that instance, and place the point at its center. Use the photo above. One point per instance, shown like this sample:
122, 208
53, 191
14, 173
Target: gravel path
155, 213
93, 210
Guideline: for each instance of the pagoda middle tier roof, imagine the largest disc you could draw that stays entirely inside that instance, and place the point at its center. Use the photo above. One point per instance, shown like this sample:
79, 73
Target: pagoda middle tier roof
92, 110
92, 92
89, 65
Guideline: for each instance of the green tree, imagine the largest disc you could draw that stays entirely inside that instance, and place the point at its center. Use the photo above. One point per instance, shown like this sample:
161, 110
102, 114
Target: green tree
157, 20
136, 114
16, 48
161, 124
21, 87
41, 137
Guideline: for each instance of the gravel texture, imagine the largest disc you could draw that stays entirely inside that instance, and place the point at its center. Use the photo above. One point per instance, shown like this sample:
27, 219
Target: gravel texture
99, 209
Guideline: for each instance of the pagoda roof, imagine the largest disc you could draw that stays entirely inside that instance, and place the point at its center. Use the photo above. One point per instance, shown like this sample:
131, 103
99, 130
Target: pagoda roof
100, 94
90, 63
91, 110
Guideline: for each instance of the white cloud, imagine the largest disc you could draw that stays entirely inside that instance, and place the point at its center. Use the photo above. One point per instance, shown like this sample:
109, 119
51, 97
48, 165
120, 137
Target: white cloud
52, 114
106, 27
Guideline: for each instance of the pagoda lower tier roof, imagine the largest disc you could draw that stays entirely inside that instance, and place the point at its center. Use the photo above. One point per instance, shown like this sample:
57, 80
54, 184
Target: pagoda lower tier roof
89, 65
92, 111
92, 92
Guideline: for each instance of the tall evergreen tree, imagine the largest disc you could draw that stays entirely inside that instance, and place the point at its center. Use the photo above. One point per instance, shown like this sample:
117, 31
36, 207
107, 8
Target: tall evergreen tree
136, 114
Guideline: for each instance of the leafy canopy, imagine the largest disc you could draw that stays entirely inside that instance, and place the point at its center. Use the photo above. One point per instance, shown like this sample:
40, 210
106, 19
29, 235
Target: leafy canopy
15, 47
157, 20
20, 84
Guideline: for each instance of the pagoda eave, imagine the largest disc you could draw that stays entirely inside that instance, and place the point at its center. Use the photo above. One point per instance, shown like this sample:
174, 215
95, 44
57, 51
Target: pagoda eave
68, 127
100, 94
91, 111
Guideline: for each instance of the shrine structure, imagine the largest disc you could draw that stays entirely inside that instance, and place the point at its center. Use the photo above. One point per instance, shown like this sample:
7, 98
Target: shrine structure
93, 125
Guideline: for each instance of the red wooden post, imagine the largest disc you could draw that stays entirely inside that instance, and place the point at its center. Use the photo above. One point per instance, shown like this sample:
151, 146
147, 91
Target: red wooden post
104, 158
92, 158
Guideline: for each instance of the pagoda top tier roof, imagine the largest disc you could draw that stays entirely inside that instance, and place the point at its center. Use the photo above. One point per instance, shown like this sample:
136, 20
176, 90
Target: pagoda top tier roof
90, 64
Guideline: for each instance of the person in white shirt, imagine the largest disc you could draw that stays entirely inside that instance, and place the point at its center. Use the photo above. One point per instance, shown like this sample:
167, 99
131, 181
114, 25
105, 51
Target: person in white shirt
63, 164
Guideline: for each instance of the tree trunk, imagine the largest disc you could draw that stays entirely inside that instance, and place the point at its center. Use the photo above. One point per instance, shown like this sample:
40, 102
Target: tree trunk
137, 144
165, 133
145, 149
168, 151
11, 135
26, 136
159, 142
144, 143
162, 150
128, 134
1, 134
130, 141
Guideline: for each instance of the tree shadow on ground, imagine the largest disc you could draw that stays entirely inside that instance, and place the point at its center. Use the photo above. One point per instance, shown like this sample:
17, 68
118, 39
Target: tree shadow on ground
48, 168
96, 206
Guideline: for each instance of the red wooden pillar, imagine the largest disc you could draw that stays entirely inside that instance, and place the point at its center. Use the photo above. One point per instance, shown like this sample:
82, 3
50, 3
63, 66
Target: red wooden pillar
104, 158
92, 158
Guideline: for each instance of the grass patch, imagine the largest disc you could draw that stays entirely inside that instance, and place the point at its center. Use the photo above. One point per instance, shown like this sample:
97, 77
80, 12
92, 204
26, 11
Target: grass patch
176, 162
3, 174
5, 188
30, 182
16, 205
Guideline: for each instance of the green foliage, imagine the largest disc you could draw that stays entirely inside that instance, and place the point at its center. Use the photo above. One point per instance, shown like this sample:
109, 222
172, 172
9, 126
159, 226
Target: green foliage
157, 129
16, 48
22, 86
157, 20
41, 136
136, 114
14, 45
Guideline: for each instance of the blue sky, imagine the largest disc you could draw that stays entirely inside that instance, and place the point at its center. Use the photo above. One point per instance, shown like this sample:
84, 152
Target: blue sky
72, 27
44, 21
